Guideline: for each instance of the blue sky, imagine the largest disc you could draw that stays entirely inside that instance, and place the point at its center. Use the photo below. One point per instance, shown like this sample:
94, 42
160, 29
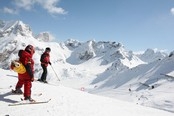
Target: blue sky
137, 24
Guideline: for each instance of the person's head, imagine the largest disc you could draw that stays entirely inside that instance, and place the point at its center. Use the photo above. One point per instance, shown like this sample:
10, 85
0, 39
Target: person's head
47, 49
30, 49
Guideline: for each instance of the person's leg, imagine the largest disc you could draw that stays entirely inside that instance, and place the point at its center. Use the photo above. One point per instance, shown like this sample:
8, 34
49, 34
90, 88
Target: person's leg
44, 74
18, 87
27, 90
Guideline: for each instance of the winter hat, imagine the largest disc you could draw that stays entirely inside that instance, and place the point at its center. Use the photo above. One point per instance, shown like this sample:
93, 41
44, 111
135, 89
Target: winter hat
48, 49
30, 49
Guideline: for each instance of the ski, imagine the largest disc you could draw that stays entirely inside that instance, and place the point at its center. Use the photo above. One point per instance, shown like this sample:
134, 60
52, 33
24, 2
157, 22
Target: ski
48, 83
28, 103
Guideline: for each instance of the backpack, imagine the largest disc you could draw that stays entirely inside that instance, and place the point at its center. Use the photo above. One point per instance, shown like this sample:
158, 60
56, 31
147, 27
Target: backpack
17, 66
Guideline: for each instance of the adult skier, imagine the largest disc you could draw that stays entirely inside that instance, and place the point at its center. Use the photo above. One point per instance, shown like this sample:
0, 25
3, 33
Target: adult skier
45, 60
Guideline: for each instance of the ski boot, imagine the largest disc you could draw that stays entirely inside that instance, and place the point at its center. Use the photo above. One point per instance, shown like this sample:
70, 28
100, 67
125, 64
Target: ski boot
44, 81
17, 91
28, 98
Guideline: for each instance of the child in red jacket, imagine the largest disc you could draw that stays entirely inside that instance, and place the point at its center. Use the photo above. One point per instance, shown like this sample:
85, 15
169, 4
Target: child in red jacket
25, 57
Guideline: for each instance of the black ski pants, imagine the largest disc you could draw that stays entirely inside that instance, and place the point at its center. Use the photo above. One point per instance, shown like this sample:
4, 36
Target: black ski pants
44, 74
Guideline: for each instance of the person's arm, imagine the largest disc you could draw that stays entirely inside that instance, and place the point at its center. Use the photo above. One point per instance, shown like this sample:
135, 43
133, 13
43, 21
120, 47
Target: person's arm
29, 70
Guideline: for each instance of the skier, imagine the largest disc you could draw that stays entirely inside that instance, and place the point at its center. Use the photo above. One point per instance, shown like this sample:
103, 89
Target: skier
45, 60
26, 79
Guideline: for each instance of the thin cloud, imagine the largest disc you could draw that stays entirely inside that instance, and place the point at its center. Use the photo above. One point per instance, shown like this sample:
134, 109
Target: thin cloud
172, 11
9, 10
51, 6
25, 4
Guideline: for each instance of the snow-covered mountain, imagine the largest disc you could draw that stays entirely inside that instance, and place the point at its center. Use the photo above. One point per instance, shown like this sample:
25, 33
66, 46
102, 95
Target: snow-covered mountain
151, 55
103, 68
44, 36
8, 28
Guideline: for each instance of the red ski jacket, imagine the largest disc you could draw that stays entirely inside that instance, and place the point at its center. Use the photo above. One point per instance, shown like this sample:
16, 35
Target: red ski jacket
45, 59
27, 61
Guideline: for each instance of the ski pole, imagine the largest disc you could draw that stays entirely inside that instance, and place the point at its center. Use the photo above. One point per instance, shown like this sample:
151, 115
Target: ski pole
55, 73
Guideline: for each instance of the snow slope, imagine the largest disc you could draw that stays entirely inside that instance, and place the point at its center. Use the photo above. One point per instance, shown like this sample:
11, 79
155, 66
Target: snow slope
66, 102
100, 68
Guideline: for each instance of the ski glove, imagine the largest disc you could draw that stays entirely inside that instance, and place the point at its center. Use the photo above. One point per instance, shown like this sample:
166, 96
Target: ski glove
32, 79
